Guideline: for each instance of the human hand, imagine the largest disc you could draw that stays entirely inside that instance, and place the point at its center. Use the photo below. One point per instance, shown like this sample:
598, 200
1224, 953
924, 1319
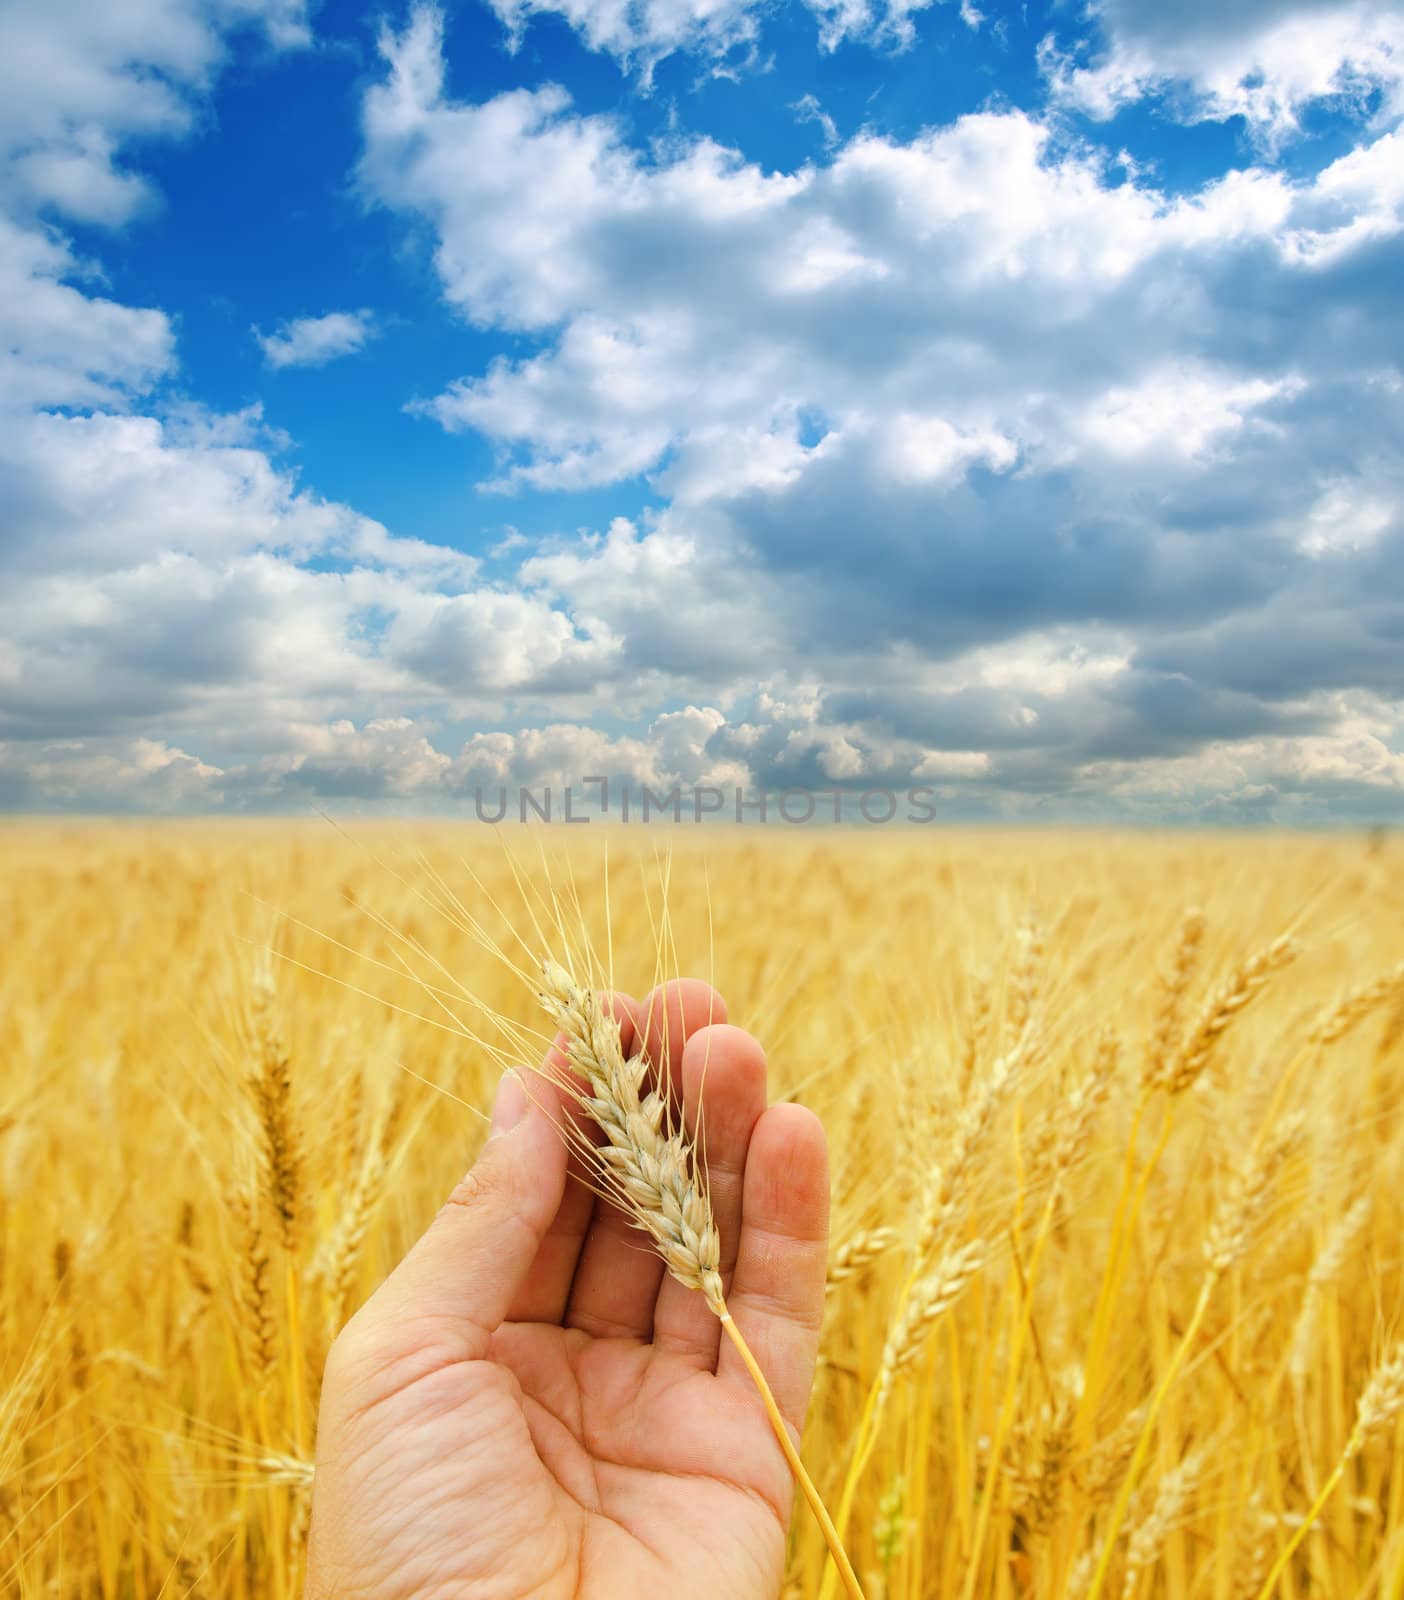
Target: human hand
529, 1406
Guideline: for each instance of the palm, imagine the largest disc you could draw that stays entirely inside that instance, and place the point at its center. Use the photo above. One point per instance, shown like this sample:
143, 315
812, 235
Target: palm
597, 1440
597, 1456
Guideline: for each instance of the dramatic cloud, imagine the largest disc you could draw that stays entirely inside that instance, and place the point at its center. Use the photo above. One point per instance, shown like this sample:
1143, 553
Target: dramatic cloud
942, 284
971, 459
162, 568
932, 396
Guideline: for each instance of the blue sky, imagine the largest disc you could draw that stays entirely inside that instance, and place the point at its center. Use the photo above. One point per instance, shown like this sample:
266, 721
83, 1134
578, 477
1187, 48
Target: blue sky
1001, 399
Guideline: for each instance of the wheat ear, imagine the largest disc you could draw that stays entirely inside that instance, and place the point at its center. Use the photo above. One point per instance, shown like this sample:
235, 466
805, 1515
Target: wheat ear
1379, 1408
1148, 1537
650, 1169
856, 1254
1242, 986
1173, 987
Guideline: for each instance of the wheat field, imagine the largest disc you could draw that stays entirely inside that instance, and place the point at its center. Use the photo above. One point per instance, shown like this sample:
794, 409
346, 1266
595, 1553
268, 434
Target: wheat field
1115, 1285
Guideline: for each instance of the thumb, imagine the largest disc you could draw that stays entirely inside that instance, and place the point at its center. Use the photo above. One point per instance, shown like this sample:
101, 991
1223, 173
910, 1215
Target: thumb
468, 1265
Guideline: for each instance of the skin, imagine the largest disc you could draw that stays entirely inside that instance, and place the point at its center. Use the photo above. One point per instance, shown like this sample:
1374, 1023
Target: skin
529, 1406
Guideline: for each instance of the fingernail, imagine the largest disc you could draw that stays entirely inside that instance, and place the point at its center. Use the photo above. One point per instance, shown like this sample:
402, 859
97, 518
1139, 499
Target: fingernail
509, 1107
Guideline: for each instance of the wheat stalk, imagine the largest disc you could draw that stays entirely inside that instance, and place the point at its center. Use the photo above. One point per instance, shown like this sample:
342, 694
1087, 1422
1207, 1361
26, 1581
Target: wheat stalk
651, 1170
928, 1292
1380, 1406
1229, 1235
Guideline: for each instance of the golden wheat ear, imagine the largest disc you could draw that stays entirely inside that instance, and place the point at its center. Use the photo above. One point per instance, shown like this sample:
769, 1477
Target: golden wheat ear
649, 1167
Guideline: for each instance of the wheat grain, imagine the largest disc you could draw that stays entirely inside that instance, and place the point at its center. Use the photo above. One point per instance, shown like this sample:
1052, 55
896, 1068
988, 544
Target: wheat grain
1025, 979
931, 1297
947, 1179
1148, 1537
1243, 985
1105, 1463
1232, 1228
1352, 1009
1173, 987
1254, 1551
270, 1086
650, 1169
978, 1027
890, 1528
1382, 1402
255, 1291
1046, 1486
1324, 1271
857, 1253
1074, 1119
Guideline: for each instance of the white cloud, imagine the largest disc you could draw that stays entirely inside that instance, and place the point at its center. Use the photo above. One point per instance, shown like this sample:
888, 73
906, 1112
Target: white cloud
642, 32
1310, 778
931, 450
157, 571
492, 640
673, 751
1263, 60
78, 78
105, 492
682, 610
725, 34
943, 765
1184, 411
693, 297
163, 570
809, 109
886, 23
387, 758
933, 395
314, 341
982, 468
1348, 518
60, 346
720, 459
131, 774
1354, 202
